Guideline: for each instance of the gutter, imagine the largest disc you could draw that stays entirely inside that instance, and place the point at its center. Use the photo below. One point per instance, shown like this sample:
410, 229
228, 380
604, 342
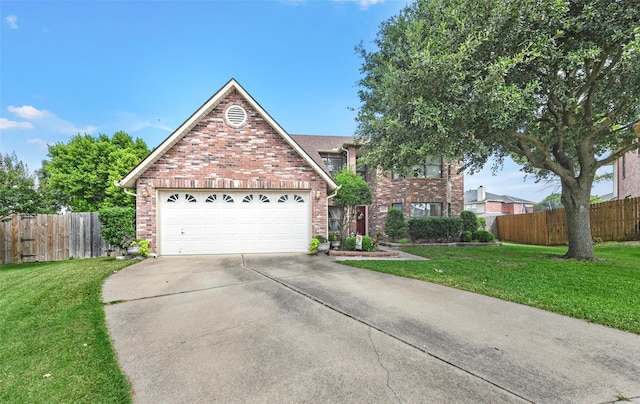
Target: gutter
117, 184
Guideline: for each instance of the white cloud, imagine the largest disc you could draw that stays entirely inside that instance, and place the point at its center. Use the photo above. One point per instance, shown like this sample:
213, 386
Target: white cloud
48, 120
362, 3
29, 112
40, 142
7, 124
13, 21
131, 122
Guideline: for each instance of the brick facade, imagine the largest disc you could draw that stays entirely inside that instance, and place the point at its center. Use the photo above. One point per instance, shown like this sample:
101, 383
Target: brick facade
215, 155
628, 175
448, 191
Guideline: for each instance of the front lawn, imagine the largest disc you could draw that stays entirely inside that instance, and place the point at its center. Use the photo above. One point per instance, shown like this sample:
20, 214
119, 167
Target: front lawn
605, 292
55, 347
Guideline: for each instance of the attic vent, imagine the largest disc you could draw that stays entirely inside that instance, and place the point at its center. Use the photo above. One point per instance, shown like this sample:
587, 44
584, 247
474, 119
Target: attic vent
236, 115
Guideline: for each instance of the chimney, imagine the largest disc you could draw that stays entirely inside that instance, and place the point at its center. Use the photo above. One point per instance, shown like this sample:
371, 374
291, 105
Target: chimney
481, 195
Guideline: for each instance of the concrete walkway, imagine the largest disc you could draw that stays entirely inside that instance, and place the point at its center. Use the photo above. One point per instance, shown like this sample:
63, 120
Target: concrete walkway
304, 329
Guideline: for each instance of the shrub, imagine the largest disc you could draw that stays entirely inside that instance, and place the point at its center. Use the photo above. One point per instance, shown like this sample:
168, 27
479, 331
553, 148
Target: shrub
350, 243
469, 221
313, 246
483, 236
143, 245
118, 225
395, 225
466, 236
482, 223
367, 243
435, 228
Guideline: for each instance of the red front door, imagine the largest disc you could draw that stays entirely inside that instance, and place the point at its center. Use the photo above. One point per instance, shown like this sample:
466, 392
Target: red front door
361, 220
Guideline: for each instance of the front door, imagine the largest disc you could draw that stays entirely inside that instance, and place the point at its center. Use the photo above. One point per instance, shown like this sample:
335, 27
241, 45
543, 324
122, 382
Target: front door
361, 220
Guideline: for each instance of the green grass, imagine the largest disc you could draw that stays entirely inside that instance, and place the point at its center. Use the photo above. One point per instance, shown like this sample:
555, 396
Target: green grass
606, 292
54, 344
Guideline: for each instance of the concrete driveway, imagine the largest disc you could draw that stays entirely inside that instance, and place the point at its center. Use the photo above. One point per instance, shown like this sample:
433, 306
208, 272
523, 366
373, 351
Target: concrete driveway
303, 329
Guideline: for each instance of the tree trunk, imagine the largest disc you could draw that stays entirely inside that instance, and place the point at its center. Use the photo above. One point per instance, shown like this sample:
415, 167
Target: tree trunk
576, 200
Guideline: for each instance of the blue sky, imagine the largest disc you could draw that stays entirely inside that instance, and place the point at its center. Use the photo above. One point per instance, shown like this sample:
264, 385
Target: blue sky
69, 67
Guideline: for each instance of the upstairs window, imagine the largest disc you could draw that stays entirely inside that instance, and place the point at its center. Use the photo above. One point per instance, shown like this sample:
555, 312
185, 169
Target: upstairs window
430, 168
334, 163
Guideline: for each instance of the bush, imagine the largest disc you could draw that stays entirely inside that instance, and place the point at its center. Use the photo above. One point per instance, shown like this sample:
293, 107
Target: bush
118, 225
469, 221
483, 236
395, 225
466, 236
482, 223
367, 243
350, 243
435, 228
313, 246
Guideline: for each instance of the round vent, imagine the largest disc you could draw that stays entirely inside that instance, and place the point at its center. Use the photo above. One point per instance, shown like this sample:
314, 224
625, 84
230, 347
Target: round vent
236, 115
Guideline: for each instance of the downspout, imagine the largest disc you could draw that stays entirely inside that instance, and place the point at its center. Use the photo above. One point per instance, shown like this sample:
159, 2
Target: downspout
334, 192
117, 184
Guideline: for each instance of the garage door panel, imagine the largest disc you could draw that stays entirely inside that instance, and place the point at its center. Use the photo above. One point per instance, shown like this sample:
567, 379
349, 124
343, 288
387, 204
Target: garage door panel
204, 222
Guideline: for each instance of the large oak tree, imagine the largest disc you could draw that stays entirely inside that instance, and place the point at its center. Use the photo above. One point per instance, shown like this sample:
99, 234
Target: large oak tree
553, 83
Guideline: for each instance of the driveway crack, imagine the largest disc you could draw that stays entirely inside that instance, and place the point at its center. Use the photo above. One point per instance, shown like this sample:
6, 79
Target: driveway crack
375, 349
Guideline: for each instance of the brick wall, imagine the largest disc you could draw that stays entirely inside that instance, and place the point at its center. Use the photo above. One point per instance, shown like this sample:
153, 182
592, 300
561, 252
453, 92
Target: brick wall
214, 155
629, 183
449, 191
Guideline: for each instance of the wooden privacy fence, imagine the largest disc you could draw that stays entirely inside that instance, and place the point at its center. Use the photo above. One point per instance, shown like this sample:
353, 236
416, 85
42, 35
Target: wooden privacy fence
27, 238
617, 220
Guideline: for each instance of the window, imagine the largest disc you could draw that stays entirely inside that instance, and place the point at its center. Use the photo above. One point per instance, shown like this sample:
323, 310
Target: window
334, 163
190, 198
361, 169
430, 168
335, 217
247, 198
397, 206
426, 210
172, 198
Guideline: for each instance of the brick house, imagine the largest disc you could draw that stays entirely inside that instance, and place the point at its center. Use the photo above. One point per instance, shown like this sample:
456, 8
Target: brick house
626, 173
484, 203
433, 189
230, 179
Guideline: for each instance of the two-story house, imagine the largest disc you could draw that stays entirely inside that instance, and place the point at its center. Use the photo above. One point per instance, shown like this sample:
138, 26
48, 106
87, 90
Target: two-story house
433, 188
230, 179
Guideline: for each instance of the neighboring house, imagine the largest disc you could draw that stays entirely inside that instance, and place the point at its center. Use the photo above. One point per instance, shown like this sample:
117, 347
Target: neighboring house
626, 173
231, 180
484, 203
626, 176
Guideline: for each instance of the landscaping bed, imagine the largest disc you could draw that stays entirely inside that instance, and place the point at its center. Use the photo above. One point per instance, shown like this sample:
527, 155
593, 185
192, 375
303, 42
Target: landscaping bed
370, 254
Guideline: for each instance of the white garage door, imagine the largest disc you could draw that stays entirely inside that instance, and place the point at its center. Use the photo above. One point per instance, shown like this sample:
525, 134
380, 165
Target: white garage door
222, 222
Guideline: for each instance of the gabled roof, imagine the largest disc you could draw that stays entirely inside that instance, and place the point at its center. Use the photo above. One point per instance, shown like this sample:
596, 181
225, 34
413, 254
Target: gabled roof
314, 145
129, 181
472, 197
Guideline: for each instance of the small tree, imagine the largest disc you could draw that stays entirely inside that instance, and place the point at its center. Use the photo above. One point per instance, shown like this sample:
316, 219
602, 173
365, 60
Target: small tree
354, 191
395, 225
